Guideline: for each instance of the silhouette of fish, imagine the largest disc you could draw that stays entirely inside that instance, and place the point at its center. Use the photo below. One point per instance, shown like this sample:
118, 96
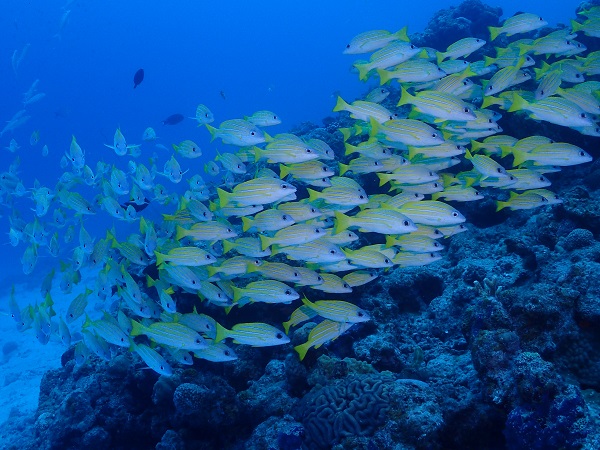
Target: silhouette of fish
138, 78
173, 119
137, 207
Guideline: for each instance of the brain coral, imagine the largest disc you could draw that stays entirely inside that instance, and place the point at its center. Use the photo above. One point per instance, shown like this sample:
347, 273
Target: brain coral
354, 406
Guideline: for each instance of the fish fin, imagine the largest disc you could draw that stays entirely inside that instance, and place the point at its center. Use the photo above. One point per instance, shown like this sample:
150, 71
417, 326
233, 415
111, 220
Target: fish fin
246, 225
363, 70
181, 233
264, 242
221, 332
440, 56
302, 349
494, 32
342, 222
341, 105
213, 132
384, 76
343, 168
405, 98
402, 34
224, 197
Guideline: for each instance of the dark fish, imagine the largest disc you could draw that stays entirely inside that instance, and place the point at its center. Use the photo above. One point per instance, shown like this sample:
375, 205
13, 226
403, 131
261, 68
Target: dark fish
223, 95
173, 119
137, 207
138, 78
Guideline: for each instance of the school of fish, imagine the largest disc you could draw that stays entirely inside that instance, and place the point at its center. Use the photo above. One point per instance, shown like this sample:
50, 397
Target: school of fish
285, 223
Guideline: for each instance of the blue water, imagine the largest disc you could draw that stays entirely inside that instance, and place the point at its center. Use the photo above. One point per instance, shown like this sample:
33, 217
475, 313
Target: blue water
281, 56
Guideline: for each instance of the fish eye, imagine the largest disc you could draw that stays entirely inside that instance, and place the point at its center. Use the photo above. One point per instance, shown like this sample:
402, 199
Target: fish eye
350, 235
317, 231
583, 115
433, 135
412, 46
284, 186
347, 45
346, 285
319, 278
332, 252
208, 257
296, 274
542, 92
274, 117
313, 210
382, 91
308, 150
541, 20
252, 133
226, 352
288, 292
279, 336
359, 314
499, 170
577, 75
406, 223
454, 214
490, 87
285, 217
582, 153
361, 197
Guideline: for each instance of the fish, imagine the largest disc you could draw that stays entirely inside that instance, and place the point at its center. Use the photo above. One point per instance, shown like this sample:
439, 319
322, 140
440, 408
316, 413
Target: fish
173, 119
254, 334
325, 331
138, 77
237, 132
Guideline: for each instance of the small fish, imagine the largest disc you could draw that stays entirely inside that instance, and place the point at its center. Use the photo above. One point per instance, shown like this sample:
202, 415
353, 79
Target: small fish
327, 330
254, 334
138, 77
173, 119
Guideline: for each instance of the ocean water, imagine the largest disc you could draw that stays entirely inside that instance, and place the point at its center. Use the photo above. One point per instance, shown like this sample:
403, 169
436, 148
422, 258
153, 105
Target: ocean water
235, 57
285, 57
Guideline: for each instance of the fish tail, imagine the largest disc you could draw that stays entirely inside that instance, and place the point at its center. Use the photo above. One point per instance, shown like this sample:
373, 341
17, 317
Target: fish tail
402, 34
501, 205
284, 171
313, 195
518, 103
374, 127
383, 178
341, 105
384, 76
213, 132
136, 328
149, 281
346, 133
302, 349
519, 157
440, 56
181, 233
160, 258
506, 150
576, 26
224, 197
489, 100
488, 61
228, 245
286, 326
363, 70
349, 148
342, 222
264, 242
405, 98
494, 32
221, 332
390, 241
238, 293
343, 168
246, 225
